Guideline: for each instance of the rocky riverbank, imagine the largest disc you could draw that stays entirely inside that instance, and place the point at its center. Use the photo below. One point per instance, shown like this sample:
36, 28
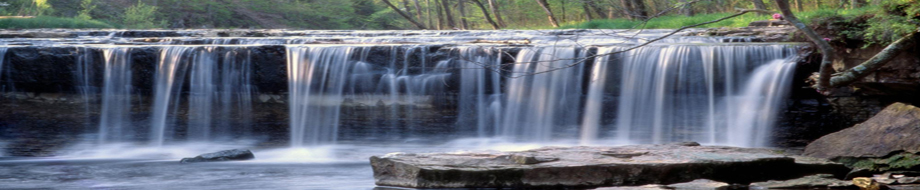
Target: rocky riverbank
586, 167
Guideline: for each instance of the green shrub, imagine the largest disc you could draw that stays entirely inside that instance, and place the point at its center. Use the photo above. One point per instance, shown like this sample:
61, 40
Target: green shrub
88, 7
142, 16
50, 22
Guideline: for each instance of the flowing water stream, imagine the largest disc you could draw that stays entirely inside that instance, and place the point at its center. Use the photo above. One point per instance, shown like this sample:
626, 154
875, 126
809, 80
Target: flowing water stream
342, 96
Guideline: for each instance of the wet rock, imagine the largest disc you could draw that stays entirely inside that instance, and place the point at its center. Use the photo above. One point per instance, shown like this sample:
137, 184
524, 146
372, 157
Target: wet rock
909, 180
702, 184
866, 183
226, 155
686, 143
891, 130
586, 167
644, 187
807, 182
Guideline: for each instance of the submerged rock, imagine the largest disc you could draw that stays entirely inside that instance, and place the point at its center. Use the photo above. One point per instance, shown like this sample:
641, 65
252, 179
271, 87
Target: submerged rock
226, 155
586, 167
703, 184
807, 182
894, 129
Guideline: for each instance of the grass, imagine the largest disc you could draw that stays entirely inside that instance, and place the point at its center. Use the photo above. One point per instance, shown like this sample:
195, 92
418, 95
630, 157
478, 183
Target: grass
50, 22
678, 21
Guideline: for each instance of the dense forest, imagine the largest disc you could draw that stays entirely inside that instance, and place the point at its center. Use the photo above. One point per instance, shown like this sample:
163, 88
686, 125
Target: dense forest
386, 14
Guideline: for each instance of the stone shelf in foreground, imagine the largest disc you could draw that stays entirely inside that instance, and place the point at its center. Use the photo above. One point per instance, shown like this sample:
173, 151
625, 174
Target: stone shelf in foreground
584, 167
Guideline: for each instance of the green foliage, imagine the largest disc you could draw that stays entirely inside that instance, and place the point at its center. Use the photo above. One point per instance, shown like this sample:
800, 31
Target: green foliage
142, 16
88, 7
50, 22
42, 7
902, 161
893, 20
670, 21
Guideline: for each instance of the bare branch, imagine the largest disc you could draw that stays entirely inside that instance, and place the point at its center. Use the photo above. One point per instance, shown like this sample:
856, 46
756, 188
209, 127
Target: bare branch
401, 13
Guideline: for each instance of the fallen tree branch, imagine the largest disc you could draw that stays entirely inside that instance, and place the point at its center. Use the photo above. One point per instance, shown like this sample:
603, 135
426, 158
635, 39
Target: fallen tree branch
877, 61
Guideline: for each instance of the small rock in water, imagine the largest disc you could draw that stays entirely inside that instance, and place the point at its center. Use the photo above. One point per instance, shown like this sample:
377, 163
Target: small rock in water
527, 160
807, 182
226, 155
688, 143
702, 184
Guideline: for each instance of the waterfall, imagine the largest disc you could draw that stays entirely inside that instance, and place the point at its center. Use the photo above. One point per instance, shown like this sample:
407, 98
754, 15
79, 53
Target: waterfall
758, 104
688, 93
3, 50
170, 75
219, 90
317, 78
328, 87
115, 117
536, 104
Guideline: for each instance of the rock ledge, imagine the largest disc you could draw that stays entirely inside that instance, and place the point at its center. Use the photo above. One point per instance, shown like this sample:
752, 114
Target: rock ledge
585, 167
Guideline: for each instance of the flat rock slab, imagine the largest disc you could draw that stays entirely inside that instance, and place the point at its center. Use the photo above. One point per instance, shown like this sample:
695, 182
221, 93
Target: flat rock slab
585, 167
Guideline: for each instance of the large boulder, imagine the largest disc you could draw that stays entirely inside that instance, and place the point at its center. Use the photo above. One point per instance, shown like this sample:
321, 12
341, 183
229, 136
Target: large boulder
894, 129
226, 155
586, 167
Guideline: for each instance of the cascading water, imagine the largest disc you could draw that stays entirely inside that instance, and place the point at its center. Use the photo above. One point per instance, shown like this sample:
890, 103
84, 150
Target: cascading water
373, 92
115, 116
686, 93
317, 77
3, 50
219, 89
536, 104
401, 85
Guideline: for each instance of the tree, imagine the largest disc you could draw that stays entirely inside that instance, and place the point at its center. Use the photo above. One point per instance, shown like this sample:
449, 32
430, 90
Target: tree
141, 15
486, 14
549, 13
88, 7
464, 24
497, 13
758, 4
404, 15
447, 16
686, 9
826, 78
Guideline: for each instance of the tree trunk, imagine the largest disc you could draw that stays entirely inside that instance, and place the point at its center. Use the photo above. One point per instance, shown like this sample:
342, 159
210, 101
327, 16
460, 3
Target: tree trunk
828, 56
798, 5
428, 13
406, 6
440, 15
597, 9
549, 13
497, 13
628, 9
486, 14
418, 10
462, 10
404, 15
447, 16
758, 4
584, 5
687, 9
639, 9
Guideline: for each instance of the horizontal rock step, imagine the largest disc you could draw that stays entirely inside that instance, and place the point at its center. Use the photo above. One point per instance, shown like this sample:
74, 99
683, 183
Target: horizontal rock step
585, 167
